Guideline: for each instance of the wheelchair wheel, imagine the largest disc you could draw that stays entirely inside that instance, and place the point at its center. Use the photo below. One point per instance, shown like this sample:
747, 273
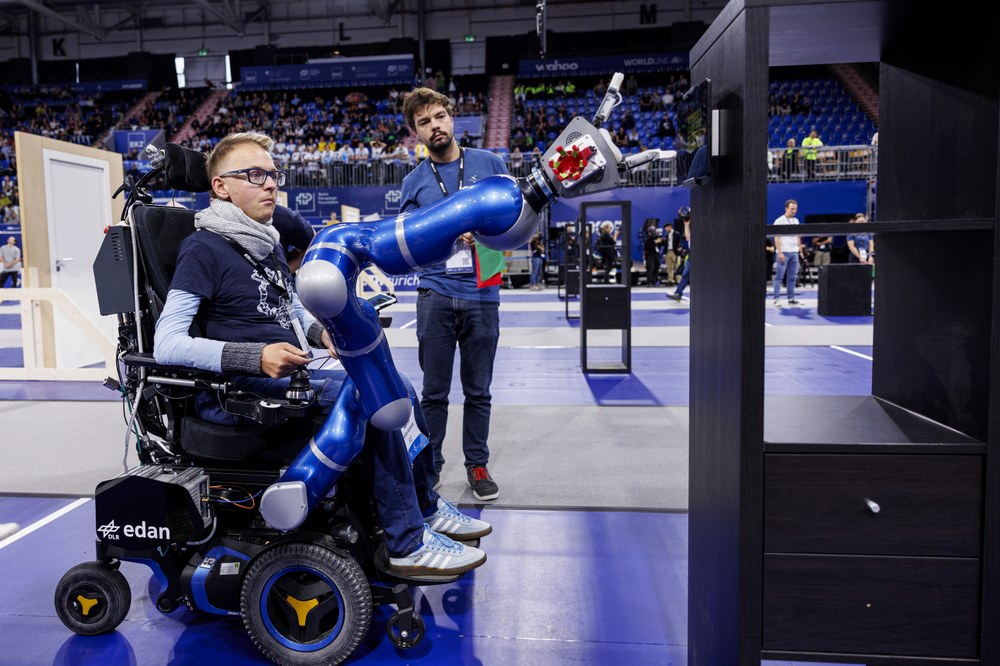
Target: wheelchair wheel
403, 636
304, 604
92, 598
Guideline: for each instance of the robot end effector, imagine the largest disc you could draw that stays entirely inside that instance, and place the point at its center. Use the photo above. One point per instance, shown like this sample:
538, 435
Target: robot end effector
584, 159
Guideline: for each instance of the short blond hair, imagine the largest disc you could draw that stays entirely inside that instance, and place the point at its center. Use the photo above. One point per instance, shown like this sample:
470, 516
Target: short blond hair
230, 142
420, 99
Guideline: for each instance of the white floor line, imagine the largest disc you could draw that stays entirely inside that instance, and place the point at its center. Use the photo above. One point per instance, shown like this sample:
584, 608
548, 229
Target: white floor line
852, 353
38, 524
768, 324
409, 323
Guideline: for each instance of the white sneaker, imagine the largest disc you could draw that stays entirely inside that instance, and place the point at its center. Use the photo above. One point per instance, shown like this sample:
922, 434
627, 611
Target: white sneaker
452, 523
438, 556
10, 529
777, 303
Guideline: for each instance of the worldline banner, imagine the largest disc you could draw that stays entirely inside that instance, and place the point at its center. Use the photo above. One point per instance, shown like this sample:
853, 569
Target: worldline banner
593, 65
374, 70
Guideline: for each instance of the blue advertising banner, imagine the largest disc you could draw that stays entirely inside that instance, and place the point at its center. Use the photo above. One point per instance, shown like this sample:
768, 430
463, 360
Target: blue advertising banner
845, 198
374, 70
593, 65
471, 124
127, 141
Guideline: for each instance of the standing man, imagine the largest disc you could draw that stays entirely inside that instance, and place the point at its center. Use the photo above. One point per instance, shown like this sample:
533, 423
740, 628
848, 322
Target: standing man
651, 249
861, 246
10, 255
685, 280
822, 246
787, 250
809, 145
452, 310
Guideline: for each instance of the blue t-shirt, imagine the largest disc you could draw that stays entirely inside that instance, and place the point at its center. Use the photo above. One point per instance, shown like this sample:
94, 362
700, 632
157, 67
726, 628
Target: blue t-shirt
861, 243
209, 267
292, 228
420, 189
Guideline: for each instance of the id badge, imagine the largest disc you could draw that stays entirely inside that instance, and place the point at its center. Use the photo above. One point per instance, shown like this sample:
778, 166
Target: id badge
415, 440
461, 259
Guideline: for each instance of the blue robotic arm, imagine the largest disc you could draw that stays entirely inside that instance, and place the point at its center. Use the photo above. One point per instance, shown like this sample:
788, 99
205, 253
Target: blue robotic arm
501, 212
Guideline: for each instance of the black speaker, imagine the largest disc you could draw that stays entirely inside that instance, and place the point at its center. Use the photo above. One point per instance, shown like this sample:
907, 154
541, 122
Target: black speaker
845, 290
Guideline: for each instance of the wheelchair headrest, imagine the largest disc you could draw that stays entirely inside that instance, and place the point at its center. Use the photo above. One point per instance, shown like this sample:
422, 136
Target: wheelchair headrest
160, 231
184, 169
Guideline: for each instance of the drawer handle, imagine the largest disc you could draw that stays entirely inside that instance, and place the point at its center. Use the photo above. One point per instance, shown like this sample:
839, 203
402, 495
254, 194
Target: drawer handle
873, 506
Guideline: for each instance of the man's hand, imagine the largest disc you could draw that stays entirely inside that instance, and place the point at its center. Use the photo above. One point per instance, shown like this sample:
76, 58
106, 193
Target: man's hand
281, 359
781, 258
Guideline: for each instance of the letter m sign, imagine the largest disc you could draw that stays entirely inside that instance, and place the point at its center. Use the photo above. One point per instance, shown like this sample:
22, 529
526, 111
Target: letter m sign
647, 13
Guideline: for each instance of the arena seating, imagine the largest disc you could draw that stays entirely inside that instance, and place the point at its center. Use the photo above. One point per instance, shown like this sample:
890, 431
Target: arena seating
838, 120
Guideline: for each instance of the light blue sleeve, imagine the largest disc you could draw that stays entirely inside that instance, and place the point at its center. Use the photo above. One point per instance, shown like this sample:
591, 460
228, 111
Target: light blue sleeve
306, 319
172, 344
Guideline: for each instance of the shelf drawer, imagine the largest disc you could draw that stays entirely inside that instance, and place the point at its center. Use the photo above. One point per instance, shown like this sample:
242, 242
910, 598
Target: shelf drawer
878, 504
879, 605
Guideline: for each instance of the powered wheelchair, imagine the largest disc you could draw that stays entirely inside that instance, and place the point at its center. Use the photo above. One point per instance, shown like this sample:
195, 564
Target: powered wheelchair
266, 521
191, 510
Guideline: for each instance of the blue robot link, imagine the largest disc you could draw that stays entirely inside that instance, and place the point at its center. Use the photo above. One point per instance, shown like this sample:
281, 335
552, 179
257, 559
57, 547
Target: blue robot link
501, 212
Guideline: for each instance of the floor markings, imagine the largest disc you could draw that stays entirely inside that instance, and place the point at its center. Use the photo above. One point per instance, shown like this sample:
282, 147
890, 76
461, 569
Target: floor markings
38, 524
852, 353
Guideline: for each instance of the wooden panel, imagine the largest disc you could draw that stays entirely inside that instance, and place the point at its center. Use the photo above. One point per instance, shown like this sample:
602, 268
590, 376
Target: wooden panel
931, 335
928, 178
728, 216
879, 605
926, 505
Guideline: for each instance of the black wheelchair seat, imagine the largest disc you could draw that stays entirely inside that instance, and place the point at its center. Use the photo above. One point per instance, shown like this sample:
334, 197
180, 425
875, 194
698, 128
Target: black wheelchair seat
205, 441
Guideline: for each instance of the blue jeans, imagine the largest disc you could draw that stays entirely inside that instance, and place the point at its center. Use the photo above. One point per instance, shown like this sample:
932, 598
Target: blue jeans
685, 278
401, 496
474, 327
790, 268
536, 271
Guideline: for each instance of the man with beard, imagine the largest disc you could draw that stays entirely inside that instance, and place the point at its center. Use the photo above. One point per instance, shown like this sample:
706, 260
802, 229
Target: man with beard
452, 310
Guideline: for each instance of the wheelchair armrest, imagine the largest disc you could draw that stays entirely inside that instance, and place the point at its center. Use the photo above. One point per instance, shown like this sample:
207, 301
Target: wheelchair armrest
179, 374
266, 412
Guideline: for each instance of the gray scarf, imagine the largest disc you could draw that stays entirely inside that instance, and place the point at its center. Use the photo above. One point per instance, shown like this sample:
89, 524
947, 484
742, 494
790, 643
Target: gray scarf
225, 219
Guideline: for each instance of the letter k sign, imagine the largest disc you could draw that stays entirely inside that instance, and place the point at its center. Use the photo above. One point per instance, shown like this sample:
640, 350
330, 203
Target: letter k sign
58, 49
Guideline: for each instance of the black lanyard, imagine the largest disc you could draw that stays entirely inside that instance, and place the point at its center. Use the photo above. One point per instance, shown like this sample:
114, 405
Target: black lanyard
279, 284
461, 172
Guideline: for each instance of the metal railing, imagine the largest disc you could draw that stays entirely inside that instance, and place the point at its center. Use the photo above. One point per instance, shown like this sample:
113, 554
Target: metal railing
832, 163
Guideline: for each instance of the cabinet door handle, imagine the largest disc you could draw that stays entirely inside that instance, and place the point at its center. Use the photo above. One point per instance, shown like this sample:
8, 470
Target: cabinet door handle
873, 506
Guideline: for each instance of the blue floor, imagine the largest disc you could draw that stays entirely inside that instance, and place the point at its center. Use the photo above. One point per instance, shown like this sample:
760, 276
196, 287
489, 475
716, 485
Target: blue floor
560, 587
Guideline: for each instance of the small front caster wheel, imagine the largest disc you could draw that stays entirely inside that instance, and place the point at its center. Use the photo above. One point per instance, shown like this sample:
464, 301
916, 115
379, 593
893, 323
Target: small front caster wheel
93, 598
406, 630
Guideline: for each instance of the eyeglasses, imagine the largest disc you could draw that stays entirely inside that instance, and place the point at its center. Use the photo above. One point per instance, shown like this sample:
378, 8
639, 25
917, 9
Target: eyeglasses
259, 176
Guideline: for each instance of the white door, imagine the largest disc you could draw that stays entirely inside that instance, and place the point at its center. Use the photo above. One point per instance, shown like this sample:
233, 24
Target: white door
79, 208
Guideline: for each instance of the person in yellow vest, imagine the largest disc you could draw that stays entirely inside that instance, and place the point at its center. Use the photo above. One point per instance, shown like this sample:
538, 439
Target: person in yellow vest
421, 152
809, 146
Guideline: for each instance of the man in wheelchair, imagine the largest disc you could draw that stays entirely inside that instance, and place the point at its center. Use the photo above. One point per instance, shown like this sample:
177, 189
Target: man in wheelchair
232, 285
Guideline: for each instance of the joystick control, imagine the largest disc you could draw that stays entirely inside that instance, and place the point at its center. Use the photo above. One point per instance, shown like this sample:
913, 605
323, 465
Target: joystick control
299, 387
